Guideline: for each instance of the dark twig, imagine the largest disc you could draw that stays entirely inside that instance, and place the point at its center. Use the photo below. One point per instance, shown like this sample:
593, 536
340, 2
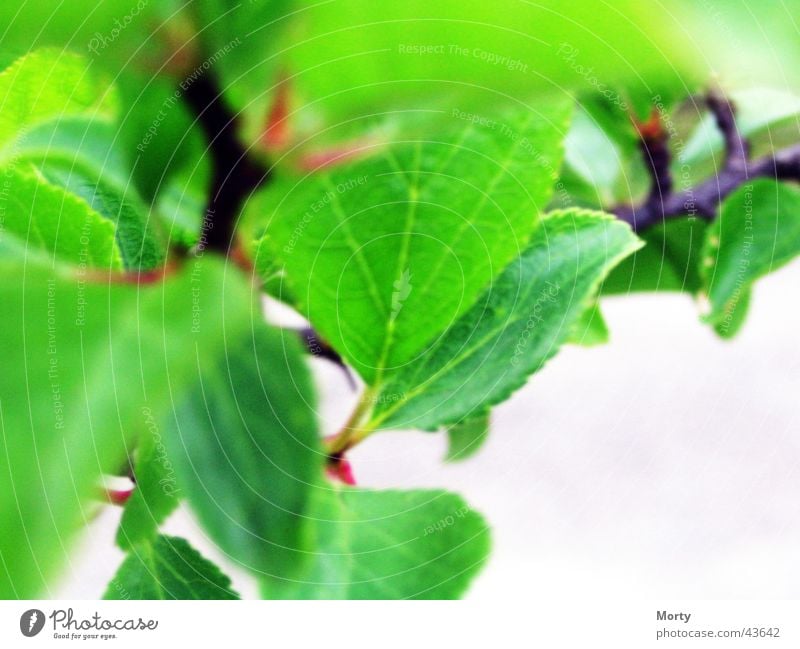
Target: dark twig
737, 149
236, 173
318, 347
702, 200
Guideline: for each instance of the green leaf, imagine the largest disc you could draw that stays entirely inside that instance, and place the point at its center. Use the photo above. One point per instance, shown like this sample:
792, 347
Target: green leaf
757, 231
510, 332
387, 251
245, 449
590, 328
85, 144
140, 247
156, 494
46, 217
466, 437
389, 545
49, 85
168, 568
63, 419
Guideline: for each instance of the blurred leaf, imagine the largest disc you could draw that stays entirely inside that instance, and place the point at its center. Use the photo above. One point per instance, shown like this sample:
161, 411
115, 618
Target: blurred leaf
156, 494
168, 568
590, 328
512, 330
466, 437
757, 231
385, 252
756, 109
158, 133
351, 56
669, 261
389, 545
246, 450
49, 85
139, 245
75, 389
46, 217
244, 39
593, 156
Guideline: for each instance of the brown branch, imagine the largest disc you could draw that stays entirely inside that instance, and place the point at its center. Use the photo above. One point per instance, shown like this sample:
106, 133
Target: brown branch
702, 200
236, 173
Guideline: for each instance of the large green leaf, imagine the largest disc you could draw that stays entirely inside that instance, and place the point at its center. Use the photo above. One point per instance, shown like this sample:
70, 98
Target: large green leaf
521, 321
245, 449
387, 251
49, 85
389, 545
45, 217
84, 362
168, 568
757, 231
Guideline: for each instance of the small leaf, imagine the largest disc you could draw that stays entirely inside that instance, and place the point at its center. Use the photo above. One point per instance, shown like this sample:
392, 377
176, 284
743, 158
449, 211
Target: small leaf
441, 215
466, 437
389, 545
245, 448
168, 568
757, 231
590, 328
669, 260
513, 329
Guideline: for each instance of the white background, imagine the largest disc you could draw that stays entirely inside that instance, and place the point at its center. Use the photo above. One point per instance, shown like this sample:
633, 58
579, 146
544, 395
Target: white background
665, 464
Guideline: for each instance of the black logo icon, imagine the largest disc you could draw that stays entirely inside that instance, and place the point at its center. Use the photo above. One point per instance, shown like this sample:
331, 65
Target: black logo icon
31, 622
